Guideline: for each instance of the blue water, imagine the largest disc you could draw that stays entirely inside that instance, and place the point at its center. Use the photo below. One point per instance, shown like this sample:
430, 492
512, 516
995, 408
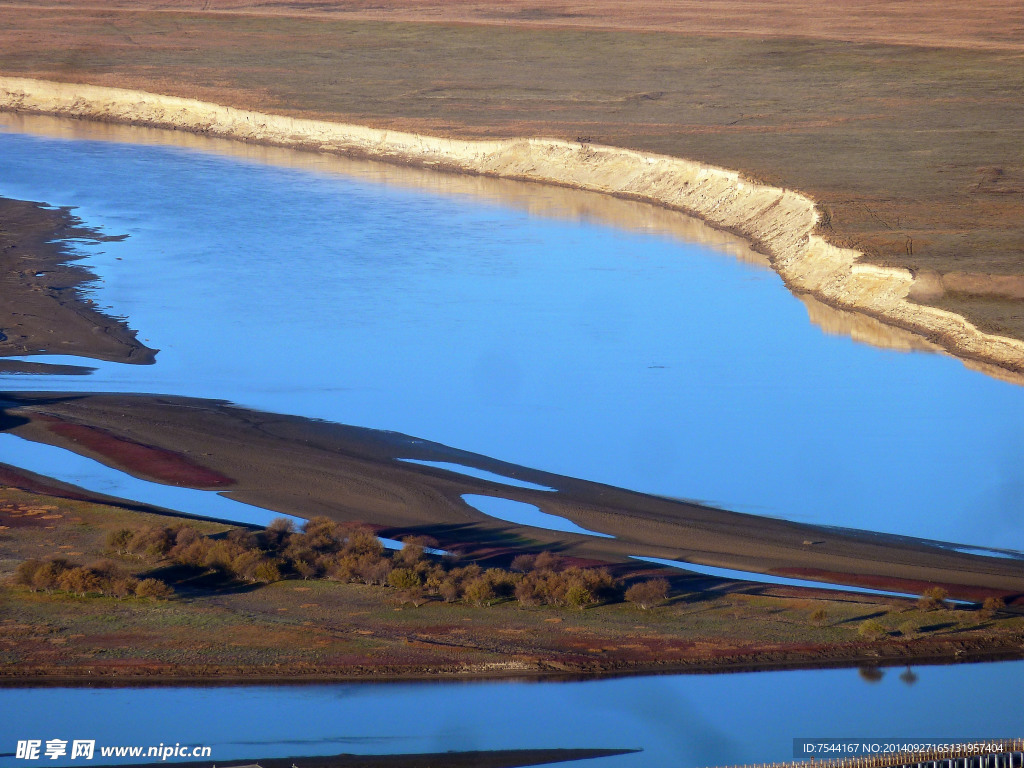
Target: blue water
624, 358
521, 513
571, 347
684, 721
483, 474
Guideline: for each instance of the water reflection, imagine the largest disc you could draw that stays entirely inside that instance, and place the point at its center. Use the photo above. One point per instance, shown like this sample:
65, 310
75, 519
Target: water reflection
677, 720
586, 351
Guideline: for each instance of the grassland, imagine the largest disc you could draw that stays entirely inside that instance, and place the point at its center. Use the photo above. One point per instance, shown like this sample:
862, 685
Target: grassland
296, 629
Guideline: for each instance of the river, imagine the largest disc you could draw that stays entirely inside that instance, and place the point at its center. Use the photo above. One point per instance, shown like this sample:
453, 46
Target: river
566, 341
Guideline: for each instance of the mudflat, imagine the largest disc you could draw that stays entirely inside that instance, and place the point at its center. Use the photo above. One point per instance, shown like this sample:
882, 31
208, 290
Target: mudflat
306, 468
43, 310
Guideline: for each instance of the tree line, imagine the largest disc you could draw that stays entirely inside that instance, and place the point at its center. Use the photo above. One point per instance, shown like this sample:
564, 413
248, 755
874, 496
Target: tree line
325, 549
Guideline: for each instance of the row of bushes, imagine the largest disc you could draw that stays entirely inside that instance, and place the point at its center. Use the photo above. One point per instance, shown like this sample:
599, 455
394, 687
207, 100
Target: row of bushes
103, 578
324, 548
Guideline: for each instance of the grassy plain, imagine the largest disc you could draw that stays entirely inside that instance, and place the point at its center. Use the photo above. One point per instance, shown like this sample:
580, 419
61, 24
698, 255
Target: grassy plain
903, 120
222, 629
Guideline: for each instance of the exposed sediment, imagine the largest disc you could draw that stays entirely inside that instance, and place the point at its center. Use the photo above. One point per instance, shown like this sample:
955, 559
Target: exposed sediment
44, 310
783, 223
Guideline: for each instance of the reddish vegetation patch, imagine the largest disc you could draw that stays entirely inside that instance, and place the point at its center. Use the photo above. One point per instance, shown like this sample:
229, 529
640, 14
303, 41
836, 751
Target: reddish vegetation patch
910, 586
158, 463
13, 515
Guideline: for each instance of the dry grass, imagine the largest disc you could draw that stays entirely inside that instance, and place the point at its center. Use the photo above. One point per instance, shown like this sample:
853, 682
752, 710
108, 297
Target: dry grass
302, 627
914, 152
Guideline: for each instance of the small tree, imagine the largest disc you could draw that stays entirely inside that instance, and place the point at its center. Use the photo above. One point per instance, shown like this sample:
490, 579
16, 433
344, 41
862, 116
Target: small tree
523, 563
120, 540
479, 591
153, 588
450, 590
25, 573
992, 606
932, 599
80, 580
47, 574
404, 578
647, 594
819, 617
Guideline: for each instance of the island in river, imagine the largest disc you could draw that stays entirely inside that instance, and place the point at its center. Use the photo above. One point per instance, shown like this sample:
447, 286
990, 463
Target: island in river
218, 628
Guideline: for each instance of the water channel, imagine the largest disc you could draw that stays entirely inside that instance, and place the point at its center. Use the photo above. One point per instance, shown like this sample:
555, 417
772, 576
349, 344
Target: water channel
541, 329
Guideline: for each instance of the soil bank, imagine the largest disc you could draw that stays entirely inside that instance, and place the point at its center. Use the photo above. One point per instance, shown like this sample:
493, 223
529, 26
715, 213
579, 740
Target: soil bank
784, 223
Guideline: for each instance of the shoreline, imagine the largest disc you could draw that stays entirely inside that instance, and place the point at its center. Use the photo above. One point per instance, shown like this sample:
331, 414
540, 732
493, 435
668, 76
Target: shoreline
47, 311
785, 224
864, 656
354, 474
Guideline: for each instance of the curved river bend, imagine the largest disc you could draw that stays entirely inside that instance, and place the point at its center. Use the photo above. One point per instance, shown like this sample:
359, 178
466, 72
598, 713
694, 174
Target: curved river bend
572, 346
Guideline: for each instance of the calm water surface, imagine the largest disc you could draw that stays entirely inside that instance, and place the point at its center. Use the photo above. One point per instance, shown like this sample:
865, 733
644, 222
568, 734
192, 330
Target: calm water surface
676, 720
599, 353
572, 347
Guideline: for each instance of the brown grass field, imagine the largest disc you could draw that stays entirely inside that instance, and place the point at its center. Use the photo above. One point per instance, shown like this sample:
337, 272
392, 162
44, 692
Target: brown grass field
328, 630
903, 119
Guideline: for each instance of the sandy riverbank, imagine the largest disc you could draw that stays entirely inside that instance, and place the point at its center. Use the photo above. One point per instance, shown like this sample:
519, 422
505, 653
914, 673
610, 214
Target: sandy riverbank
783, 223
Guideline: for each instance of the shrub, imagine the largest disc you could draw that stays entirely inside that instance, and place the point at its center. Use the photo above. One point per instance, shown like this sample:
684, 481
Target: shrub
909, 630
404, 578
411, 553
547, 561
194, 553
124, 587
153, 588
529, 592
872, 629
244, 565
523, 563
373, 570
479, 591
47, 575
992, 606
276, 535
819, 617
578, 596
322, 534
647, 594
80, 580
154, 541
932, 599
120, 540
266, 571
306, 569
362, 541
25, 573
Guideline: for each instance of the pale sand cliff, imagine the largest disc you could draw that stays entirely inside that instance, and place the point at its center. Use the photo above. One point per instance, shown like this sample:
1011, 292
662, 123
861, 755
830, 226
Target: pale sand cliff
780, 221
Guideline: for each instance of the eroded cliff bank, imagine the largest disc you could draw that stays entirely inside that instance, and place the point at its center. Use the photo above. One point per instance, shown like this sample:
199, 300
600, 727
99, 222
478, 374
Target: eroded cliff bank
781, 222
